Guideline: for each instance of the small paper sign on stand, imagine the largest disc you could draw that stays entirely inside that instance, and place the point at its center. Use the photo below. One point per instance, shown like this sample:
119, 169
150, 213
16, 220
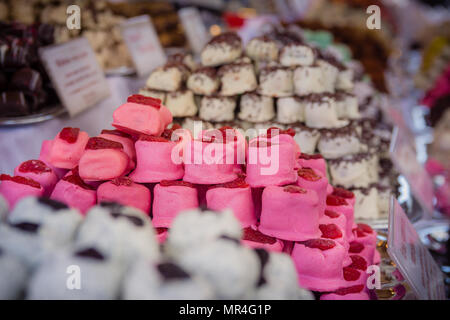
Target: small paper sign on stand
143, 44
195, 28
404, 157
412, 258
76, 75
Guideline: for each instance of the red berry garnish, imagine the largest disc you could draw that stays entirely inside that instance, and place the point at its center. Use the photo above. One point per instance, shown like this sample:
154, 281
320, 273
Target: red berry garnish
34, 166
322, 244
330, 231
225, 134
168, 133
340, 192
146, 137
74, 178
306, 156
256, 236
351, 274
308, 174
336, 201
148, 101
174, 183
353, 289
364, 227
274, 131
97, 143
70, 135
238, 183
117, 133
294, 189
362, 230
21, 180
122, 181
358, 262
161, 230
356, 247
331, 214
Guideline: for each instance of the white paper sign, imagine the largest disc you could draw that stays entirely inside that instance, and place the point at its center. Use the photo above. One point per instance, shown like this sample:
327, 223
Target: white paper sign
404, 157
194, 28
143, 44
75, 73
412, 258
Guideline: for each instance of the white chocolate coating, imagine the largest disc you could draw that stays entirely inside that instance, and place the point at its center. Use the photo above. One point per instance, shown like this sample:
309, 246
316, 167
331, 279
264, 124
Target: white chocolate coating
297, 55
256, 108
217, 108
290, 110
276, 82
181, 103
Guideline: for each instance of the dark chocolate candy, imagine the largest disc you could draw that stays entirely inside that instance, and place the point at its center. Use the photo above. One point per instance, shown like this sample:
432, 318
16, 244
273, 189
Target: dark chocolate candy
13, 103
170, 271
26, 79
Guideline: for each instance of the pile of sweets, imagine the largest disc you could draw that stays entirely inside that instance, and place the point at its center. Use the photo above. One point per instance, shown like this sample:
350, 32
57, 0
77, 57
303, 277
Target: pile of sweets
279, 80
100, 23
115, 250
24, 85
282, 200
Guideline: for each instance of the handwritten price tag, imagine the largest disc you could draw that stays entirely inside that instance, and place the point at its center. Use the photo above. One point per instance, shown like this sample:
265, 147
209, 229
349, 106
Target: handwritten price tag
143, 44
412, 258
194, 27
75, 73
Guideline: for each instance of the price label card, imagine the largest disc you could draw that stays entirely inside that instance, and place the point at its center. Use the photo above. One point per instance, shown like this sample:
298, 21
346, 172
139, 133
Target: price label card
194, 27
75, 73
412, 258
404, 156
143, 44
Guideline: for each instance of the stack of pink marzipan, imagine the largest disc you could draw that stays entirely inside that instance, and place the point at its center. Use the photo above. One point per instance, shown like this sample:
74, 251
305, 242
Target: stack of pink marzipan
281, 197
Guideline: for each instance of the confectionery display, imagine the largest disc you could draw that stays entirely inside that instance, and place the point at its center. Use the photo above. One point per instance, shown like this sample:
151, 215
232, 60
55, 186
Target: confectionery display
266, 220
100, 24
298, 151
283, 79
25, 88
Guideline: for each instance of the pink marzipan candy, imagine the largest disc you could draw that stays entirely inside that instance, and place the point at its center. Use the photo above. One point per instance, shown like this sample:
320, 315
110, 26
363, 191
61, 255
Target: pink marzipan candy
229, 136
103, 160
312, 179
209, 162
126, 141
336, 218
236, 196
252, 238
276, 135
156, 160
137, 117
319, 264
171, 198
289, 213
16, 188
346, 194
338, 204
315, 161
67, 148
74, 192
126, 192
38, 171
270, 164
44, 156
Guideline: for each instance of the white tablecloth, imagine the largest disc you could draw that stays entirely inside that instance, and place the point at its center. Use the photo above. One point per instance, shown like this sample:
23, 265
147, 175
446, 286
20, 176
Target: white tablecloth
21, 143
